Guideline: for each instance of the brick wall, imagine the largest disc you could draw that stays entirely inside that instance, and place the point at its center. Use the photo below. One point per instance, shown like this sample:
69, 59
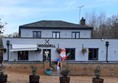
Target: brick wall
79, 69
86, 69
24, 68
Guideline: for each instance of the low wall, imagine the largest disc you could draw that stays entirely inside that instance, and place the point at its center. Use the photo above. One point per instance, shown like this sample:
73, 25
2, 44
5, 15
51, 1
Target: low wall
78, 69
86, 69
24, 68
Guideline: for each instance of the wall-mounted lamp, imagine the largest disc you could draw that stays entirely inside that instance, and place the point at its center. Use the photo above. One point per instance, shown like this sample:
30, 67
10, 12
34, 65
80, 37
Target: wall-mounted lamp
102, 39
107, 44
8, 44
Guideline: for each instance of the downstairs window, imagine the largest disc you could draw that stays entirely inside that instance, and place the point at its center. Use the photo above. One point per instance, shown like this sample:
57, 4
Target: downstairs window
22, 55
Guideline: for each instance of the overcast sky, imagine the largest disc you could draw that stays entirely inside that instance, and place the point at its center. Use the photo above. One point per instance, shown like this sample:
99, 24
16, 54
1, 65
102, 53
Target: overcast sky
19, 12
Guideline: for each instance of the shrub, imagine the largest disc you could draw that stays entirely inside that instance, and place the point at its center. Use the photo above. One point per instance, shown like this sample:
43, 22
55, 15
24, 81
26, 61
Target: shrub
64, 71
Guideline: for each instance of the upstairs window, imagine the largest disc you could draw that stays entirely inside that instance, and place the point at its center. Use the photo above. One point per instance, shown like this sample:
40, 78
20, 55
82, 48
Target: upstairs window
55, 34
75, 35
36, 34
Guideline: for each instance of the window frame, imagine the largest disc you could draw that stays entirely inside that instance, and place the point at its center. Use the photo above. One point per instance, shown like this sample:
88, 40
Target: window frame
94, 56
55, 34
73, 53
75, 35
38, 34
20, 56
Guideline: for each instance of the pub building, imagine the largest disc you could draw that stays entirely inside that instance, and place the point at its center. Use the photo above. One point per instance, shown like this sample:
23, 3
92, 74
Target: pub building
40, 41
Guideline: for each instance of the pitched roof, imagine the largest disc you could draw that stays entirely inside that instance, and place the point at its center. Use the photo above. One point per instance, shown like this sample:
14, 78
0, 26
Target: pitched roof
51, 24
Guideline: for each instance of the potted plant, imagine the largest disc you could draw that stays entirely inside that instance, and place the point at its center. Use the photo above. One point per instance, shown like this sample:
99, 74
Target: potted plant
64, 78
34, 78
1, 58
97, 78
3, 77
48, 71
84, 50
3, 50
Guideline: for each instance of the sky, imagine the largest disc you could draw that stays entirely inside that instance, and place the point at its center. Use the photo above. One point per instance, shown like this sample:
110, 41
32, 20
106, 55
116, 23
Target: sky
19, 12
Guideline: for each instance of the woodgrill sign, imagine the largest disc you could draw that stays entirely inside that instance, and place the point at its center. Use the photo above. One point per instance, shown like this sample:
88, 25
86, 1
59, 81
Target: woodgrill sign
47, 44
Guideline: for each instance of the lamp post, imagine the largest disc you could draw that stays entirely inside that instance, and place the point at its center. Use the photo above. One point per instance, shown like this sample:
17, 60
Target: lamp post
107, 44
80, 11
8, 43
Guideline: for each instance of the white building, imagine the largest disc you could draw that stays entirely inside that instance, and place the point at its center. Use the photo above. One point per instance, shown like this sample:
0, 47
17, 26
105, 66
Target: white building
46, 36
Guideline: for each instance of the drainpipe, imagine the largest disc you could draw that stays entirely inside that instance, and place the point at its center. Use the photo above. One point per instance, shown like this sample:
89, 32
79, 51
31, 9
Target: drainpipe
8, 44
107, 44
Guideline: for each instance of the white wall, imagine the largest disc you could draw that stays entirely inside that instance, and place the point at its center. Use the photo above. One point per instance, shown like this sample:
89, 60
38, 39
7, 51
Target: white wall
68, 43
35, 56
63, 33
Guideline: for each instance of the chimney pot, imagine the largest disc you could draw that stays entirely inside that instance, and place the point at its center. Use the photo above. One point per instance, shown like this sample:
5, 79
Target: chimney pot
82, 21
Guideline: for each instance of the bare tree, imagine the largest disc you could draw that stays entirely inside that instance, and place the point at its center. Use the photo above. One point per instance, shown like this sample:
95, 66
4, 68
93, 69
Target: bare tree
112, 23
103, 27
2, 26
1, 31
15, 34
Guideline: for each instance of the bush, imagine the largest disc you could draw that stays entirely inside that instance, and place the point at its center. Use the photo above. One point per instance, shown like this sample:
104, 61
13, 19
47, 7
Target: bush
64, 71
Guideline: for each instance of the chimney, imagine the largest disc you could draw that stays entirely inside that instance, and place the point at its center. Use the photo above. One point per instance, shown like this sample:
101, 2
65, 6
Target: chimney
82, 21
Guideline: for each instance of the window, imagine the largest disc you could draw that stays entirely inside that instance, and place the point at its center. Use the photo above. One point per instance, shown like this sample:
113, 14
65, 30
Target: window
22, 55
75, 34
71, 53
93, 54
55, 34
37, 34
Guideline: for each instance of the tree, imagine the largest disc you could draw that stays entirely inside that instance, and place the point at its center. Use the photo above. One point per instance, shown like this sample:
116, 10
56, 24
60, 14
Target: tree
1, 31
2, 27
15, 34
113, 26
103, 27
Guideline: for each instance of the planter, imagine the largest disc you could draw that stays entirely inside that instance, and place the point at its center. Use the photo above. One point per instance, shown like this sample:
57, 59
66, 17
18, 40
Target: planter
64, 79
95, 80
3, 78
34, 78
1, 59
48, 72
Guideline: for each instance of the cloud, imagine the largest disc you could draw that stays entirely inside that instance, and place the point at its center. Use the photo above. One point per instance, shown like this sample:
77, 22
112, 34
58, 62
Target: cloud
16, 12
70, 4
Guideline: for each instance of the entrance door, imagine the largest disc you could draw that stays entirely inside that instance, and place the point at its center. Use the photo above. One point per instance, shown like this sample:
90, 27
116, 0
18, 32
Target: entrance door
47, 55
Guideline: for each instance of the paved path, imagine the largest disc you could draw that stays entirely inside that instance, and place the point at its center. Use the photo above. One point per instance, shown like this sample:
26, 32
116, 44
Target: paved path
24, 78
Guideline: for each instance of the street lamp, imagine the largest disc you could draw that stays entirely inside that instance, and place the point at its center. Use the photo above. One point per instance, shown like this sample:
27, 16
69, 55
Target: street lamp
80, 11
8, 44
107, 45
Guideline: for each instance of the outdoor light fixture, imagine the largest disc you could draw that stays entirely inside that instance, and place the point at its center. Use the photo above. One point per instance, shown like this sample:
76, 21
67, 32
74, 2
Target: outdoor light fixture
107, 44
8, 44
102, 39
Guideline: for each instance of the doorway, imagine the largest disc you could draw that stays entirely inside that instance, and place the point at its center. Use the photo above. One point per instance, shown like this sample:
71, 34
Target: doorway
47, 55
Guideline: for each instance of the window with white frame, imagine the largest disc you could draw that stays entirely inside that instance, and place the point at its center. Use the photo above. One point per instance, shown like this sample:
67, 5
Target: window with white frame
36, 34
55, 34
22, 55
75, 34
93, 54
70, 52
